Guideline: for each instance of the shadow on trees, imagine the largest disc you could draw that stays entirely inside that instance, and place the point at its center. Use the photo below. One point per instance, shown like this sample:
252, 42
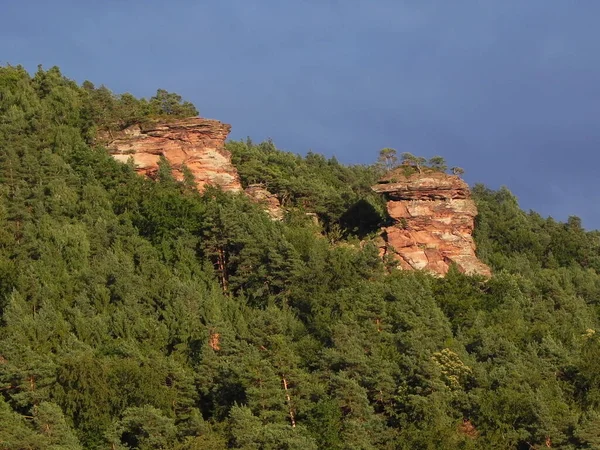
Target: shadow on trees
362, 219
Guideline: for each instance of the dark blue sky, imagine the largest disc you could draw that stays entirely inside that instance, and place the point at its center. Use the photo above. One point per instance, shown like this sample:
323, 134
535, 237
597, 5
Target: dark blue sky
509, 90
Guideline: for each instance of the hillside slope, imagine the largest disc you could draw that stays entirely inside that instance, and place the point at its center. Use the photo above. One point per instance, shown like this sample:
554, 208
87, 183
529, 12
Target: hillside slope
144, 314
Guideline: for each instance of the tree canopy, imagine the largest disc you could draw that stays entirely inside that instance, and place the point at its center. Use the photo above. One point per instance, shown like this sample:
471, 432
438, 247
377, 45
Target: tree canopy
388, 160
137, 314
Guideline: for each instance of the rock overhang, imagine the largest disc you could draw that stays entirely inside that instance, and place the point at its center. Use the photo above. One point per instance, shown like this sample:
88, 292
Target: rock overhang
433, 216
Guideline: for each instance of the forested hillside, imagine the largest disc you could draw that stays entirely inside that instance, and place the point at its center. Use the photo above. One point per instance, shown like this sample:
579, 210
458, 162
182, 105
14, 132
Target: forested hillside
144, 315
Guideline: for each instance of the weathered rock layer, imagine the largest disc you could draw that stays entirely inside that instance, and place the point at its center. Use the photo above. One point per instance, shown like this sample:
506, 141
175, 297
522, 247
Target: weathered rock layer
272, 206
196, 143
433, 222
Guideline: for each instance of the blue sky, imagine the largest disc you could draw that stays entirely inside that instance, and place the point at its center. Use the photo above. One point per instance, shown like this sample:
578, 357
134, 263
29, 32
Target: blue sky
508, 90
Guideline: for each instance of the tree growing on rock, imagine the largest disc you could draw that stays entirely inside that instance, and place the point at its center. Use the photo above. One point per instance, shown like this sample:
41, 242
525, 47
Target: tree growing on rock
166, 103
387, 158
438, 163
458, 171
418, 162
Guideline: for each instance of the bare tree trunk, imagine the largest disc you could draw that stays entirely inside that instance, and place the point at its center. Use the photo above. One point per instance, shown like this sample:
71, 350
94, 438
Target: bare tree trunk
289, 402
222, 269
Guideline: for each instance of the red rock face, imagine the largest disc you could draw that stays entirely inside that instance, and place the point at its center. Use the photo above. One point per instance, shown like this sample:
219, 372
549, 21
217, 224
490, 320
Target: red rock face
270, 202
195, 142
434, 219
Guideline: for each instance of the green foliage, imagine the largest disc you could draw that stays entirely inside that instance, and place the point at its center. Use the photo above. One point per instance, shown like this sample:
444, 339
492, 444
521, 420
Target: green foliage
145, 428
387, 158
410, 163
142, 314
417, 162
45, 429
103, 110
171, 104
457, 171
438, 163
338, 194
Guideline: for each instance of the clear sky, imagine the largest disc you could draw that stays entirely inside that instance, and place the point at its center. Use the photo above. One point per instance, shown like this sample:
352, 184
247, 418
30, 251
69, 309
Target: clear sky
507, 89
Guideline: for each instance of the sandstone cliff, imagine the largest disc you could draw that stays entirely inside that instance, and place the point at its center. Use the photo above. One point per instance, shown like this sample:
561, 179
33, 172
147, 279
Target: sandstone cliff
194, 142
272, 206
433, 222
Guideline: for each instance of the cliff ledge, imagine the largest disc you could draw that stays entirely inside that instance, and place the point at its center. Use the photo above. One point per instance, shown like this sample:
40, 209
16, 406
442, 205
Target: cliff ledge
433, 218
195, 142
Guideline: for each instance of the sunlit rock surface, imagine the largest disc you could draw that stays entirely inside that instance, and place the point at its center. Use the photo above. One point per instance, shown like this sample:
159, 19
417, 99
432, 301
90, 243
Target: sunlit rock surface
433, 222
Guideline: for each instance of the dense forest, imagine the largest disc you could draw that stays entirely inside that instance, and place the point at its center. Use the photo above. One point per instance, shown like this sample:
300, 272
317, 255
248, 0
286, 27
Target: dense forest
139, 314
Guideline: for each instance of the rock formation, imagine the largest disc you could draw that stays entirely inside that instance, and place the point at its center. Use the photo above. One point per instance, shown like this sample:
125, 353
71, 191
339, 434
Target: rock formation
433, 222
259, 194
194, 142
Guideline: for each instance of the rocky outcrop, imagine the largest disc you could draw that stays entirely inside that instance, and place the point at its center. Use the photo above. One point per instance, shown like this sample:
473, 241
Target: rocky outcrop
433, 222
195, 142
270, 202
